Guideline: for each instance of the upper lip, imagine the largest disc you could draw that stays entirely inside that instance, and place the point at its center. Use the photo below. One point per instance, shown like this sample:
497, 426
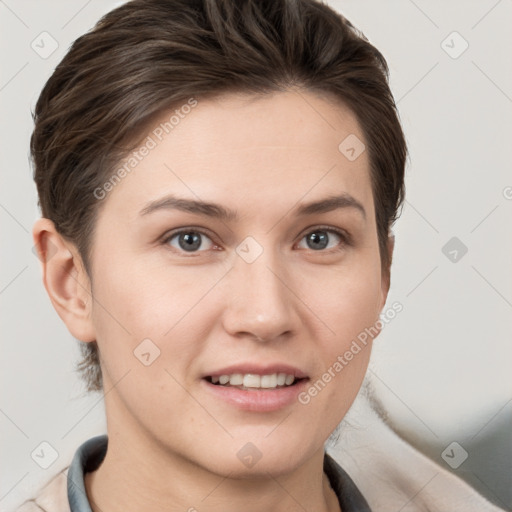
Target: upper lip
258, 369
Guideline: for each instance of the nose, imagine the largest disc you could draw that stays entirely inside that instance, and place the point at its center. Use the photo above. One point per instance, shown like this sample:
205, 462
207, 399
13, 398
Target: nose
260, 303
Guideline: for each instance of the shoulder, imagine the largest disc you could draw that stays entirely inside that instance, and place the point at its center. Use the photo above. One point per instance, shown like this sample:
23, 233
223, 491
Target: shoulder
53, 497
392, 474
68, 485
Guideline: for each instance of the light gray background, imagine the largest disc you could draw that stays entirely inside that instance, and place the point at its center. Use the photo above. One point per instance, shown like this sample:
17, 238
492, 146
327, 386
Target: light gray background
441, 367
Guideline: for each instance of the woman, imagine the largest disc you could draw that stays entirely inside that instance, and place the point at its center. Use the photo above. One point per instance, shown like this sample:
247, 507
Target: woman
218, 181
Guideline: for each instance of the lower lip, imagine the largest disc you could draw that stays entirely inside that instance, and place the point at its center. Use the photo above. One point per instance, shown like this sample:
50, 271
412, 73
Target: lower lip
258, 400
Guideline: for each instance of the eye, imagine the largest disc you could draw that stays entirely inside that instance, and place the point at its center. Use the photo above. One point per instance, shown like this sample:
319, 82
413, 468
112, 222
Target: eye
326, 238
193, 240
188, 240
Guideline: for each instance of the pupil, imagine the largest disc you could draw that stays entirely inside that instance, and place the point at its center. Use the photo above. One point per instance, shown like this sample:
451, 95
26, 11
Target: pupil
319, 238
190, 241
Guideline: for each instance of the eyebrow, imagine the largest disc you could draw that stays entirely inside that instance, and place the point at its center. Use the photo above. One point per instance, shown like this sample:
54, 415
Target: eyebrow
218, 211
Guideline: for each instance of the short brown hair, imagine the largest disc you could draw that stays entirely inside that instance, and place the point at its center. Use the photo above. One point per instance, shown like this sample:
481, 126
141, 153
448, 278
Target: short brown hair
150, 55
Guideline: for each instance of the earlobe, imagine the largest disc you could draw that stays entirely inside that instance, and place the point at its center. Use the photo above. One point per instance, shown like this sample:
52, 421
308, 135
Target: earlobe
65, 279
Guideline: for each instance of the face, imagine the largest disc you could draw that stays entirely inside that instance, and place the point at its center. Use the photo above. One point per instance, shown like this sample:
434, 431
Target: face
185, 295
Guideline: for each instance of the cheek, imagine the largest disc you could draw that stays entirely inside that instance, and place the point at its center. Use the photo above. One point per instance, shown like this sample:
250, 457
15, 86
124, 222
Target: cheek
349, 310
135, 301
347, 301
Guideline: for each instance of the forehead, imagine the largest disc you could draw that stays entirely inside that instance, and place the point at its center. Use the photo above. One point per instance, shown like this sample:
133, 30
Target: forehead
297, 120
254, 150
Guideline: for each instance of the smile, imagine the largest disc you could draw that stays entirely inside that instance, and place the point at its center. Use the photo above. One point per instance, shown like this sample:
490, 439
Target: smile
255, 393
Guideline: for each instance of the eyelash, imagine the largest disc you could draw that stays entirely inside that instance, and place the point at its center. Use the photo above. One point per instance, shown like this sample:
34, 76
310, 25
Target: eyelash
346, 238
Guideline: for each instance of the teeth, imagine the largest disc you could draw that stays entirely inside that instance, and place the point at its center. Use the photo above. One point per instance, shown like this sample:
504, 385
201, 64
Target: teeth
269, 381
281, 379
251, 380
236, 379
289, 379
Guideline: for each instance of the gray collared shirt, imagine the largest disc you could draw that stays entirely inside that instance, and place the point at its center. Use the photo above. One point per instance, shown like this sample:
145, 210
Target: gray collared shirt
90, 455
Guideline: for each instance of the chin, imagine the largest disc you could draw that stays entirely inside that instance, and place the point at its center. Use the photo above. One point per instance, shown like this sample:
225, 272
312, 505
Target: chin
261, 456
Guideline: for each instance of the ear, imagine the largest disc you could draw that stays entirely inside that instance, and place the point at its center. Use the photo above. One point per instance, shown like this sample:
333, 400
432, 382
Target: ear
386, 273
65, 279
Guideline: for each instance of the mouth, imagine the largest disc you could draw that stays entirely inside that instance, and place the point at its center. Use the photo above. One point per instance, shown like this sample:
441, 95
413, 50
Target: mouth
255, 382
254, 387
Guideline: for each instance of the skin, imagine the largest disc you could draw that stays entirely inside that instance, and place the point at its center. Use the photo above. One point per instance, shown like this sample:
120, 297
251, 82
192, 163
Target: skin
172, 445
